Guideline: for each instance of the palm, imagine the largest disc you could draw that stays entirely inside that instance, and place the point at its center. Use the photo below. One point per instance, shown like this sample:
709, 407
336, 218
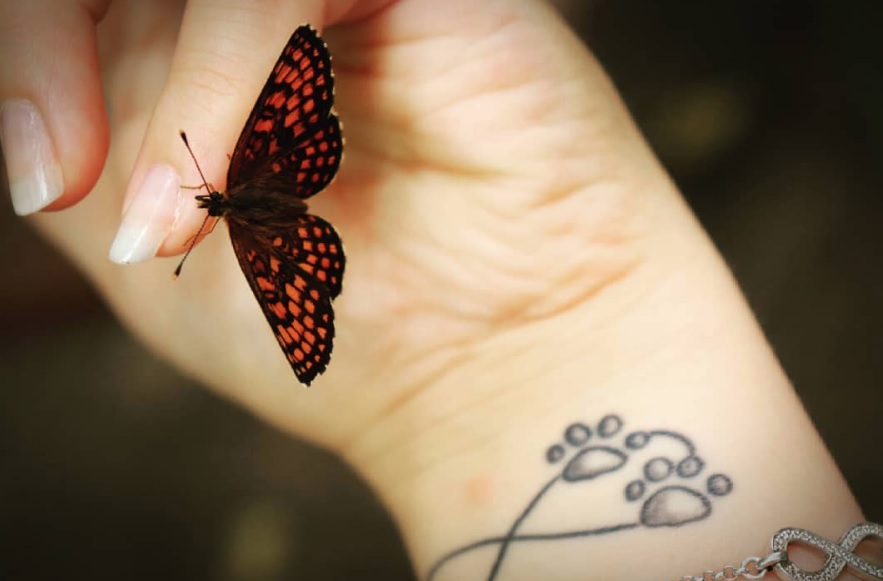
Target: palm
458, 202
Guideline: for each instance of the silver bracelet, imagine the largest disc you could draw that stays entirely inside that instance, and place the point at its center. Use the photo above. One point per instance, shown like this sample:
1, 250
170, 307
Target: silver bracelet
839, 556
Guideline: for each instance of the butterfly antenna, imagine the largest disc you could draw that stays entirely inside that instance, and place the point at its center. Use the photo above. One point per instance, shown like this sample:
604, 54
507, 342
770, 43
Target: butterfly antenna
190, 246
193, 240
196, 163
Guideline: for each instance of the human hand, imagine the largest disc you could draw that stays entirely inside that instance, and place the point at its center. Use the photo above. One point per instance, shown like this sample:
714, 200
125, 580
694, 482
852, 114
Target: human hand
475, 168
514, 250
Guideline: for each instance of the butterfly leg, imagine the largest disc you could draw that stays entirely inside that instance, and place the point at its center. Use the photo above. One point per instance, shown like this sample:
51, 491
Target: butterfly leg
202, 233
199, 187
214, 223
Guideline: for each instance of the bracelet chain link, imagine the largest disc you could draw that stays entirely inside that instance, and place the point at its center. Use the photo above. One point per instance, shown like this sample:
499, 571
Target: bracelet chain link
751, 568
839, 557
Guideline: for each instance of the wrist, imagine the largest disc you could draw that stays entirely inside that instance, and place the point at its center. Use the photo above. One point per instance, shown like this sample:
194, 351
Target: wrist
681, 353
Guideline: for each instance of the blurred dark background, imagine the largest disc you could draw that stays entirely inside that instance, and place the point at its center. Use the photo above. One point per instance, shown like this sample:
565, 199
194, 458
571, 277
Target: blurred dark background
769, 115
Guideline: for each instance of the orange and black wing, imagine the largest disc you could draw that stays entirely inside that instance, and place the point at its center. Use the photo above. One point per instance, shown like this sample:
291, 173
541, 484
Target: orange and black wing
292, 132
294, 280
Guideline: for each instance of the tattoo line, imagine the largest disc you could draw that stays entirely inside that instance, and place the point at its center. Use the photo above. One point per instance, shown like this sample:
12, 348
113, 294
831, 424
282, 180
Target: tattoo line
669, 506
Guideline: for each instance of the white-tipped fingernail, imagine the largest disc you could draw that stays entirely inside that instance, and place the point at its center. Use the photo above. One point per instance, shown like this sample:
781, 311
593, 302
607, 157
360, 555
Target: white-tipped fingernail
149, 218
35, 178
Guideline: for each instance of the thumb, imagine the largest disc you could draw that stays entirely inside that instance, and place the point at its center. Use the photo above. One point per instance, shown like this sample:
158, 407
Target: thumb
53, 126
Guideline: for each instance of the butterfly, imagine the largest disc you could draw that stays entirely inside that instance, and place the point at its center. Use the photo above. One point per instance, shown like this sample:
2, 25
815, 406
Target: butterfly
289, 150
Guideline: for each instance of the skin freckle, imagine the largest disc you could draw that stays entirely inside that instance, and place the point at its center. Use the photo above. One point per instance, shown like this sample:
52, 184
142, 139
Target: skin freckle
479, 490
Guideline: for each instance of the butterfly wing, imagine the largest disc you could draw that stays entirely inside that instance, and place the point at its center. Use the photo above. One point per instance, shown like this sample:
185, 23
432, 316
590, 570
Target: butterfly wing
294, 279
292, 143
316, 249
291, 132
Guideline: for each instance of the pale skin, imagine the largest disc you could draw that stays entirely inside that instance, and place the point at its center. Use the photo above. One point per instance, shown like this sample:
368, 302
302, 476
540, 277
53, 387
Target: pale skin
517, 260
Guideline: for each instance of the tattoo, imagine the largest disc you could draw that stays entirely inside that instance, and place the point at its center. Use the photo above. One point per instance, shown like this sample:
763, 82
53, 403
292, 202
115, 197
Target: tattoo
665, 492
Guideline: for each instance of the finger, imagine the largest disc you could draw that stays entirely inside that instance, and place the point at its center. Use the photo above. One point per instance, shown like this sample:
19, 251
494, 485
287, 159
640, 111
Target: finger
225, 51
53, 126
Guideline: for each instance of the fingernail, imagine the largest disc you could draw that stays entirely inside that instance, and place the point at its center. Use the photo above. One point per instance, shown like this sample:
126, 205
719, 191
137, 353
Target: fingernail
35, 178
149, 218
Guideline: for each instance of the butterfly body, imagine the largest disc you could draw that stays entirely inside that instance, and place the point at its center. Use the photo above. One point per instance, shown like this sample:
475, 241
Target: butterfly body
264, 210
289, 150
